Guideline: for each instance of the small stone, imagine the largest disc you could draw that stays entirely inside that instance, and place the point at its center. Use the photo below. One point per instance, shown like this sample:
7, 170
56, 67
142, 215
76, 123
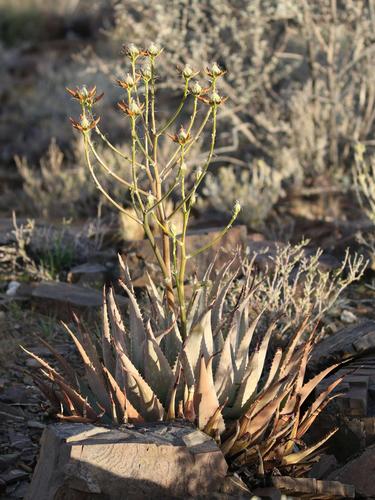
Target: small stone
14, 475
34, 424
7, 460
12, 288
348, 317
32, 363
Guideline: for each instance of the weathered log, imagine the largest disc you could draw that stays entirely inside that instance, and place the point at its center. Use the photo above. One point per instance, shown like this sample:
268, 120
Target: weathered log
79, 461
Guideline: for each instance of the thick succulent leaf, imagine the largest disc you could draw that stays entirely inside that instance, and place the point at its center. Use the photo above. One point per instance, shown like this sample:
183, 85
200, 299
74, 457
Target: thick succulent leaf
76, 419
207, 340
118, 330
219, 293
126, 411
88, 344
253, 371
323, 396
301, 456
155, 298
274, 368
95, 377
242, 353
43, 364
227, 445
310, 386
126, 274
259, 423
310, 418
80, 404
137, 328
170, 342
205, 399
191, 353
148, 404
189, 412
172, 400
157, 370
294, 342
66, 367
198, 307
224, 375
304, 392
267, 395
108, 358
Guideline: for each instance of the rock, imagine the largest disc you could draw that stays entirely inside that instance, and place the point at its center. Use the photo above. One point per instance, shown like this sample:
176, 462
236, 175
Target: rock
8, 460
34, 424
348, 317
359, 472
7, 411
88, 274
60, 299
14, 475
79, 461
141, 260
326, 464
313, 488
351, 341
12, 288
32, 363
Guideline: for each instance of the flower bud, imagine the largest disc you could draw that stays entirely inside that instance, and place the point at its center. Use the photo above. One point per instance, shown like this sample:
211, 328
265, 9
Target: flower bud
134, 108
85, 123
236, 208
215, 98
216, 70
133, 51
198, 174
193, 199
153, 50
182, 136
187, 72
196, 89
129, 80
146, 72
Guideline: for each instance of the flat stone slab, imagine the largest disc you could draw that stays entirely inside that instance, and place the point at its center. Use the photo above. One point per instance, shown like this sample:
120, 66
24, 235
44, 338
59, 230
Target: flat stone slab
61, 299
82, 461
88, 274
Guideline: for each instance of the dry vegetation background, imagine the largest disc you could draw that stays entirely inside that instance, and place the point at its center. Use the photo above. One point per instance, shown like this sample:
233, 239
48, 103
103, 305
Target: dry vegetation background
300, 84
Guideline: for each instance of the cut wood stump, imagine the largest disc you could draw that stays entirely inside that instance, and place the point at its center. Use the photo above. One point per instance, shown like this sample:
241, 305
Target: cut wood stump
82, 461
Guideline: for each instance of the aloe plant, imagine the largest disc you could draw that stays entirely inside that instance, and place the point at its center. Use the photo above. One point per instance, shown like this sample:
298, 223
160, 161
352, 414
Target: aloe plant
198, 359
145, 371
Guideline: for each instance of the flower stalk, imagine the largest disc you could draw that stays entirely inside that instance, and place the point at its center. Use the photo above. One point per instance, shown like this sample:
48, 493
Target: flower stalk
150, 189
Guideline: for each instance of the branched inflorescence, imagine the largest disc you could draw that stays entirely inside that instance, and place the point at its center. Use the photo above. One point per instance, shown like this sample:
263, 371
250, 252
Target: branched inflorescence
163, 179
